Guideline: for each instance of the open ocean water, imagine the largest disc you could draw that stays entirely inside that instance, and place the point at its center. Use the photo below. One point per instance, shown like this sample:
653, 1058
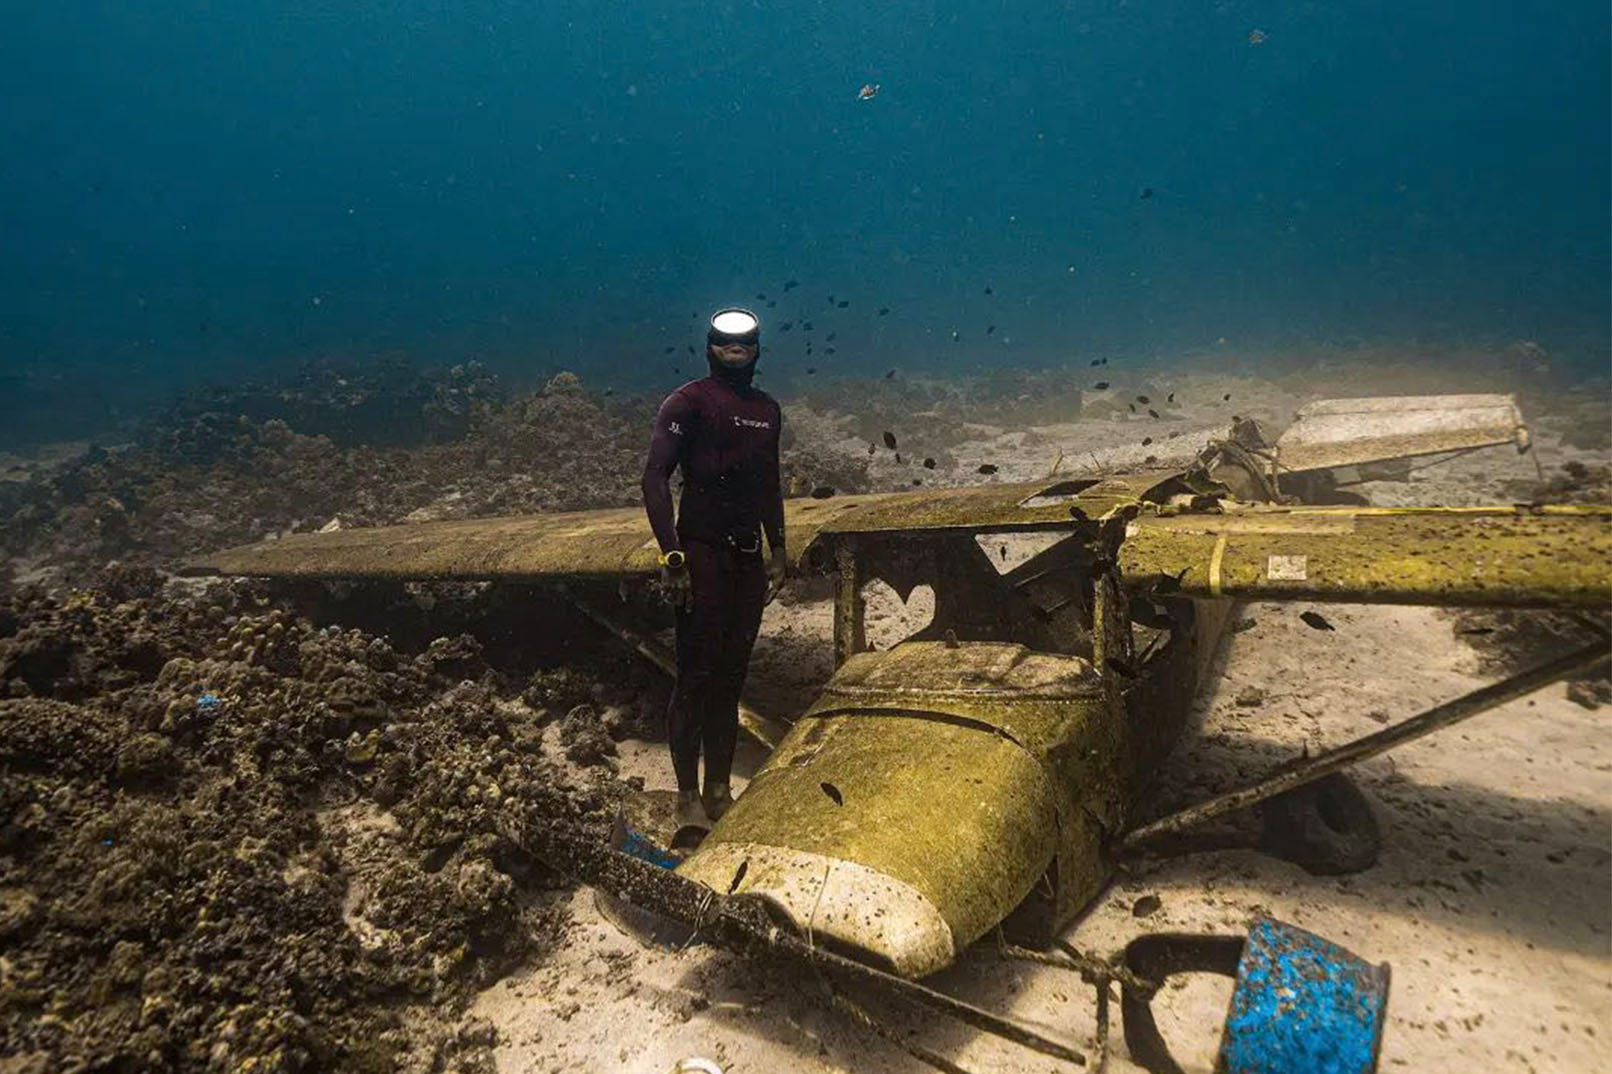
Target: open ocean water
197, 192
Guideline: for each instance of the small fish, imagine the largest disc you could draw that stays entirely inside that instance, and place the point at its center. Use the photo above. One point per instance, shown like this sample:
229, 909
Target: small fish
609, 392
987, 468
1175, 434
805, 326
790, 285
1150, 460
1101, 386
786, 326
929, 464
989, 291
1132, 406
691, 348
1316, 621
872, 448
670, 349
891, 375
889, 439
1152, 413
883, 310
1256, 36
811, 370
830, 337
760, 297
1171, 398
990, 328
1226, 398
831, 350
1120, 667
822, 492
1144, 400
898, 457
1147, 192
842, 303
917, 481
1146, 440
771, 304
955, 336
833, 793
868, 91
1095, 362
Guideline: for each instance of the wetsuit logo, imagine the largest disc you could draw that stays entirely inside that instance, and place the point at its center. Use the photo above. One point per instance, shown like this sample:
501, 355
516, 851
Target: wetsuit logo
675, 428
751, 422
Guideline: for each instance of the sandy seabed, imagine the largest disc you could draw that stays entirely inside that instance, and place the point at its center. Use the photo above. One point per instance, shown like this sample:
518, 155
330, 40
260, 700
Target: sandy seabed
1491, 900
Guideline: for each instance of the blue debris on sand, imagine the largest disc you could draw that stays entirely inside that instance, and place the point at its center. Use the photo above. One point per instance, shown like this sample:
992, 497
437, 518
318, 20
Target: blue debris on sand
208, 702
1303, 1004
645, 850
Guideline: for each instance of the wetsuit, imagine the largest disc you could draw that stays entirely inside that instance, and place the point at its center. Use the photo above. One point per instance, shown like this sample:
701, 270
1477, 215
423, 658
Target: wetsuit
723, 433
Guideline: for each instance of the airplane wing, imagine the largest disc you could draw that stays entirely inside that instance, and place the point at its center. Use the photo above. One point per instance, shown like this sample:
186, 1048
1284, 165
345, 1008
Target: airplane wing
1493, 556
617, 541
1331, 433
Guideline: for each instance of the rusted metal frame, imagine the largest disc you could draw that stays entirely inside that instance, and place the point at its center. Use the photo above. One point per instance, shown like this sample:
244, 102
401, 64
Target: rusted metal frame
850, 609
1308, 770
739, 924
765, 731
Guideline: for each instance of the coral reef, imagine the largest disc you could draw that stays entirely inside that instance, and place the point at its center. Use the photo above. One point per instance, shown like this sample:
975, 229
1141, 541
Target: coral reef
185, 887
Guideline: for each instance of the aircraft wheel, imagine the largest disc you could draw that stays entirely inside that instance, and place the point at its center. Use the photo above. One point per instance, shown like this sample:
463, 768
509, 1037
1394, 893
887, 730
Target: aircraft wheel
1326, 826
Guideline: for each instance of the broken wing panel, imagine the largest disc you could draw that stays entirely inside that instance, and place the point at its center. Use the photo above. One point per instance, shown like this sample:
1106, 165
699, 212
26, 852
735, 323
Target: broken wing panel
1352, 432
1482, 556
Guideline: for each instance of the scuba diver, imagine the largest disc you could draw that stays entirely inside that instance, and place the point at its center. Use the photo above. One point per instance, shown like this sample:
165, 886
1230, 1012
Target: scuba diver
723, 433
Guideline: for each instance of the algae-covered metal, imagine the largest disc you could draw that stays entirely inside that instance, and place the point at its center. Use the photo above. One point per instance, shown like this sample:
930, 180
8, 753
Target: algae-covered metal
617, 542
923, 796
1526, 556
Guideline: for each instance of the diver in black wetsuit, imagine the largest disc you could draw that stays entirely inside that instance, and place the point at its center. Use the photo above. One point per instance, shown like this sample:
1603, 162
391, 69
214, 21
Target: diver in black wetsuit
724, 434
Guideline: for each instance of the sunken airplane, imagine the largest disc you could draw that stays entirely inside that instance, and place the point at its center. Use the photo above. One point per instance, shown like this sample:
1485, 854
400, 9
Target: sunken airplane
1034, 708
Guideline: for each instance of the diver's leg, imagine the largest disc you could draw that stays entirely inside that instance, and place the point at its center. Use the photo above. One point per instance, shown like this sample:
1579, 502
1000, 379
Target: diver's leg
746, 594
699, 634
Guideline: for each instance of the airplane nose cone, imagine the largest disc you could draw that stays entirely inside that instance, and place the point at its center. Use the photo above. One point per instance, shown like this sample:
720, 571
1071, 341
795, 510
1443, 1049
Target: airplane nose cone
897, 825
841, 904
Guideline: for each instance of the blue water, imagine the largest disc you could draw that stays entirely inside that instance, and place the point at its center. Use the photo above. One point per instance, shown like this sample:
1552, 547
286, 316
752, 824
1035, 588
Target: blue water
207, 190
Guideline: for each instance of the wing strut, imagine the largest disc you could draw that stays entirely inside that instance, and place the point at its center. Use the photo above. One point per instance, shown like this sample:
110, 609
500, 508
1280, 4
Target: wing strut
1310, 769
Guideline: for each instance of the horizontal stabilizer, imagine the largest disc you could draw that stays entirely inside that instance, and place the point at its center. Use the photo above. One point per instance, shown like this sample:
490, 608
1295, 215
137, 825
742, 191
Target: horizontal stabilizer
1481, 556
1353, 432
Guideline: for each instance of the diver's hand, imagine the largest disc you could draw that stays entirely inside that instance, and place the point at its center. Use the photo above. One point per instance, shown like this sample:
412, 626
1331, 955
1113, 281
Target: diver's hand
675, 582
777, 572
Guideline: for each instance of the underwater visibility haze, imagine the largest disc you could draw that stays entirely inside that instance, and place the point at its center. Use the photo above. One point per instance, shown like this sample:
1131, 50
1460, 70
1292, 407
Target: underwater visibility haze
196, 192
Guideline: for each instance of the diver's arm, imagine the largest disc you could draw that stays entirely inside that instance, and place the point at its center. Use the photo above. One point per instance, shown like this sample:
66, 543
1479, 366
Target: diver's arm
667, 448
772, 493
